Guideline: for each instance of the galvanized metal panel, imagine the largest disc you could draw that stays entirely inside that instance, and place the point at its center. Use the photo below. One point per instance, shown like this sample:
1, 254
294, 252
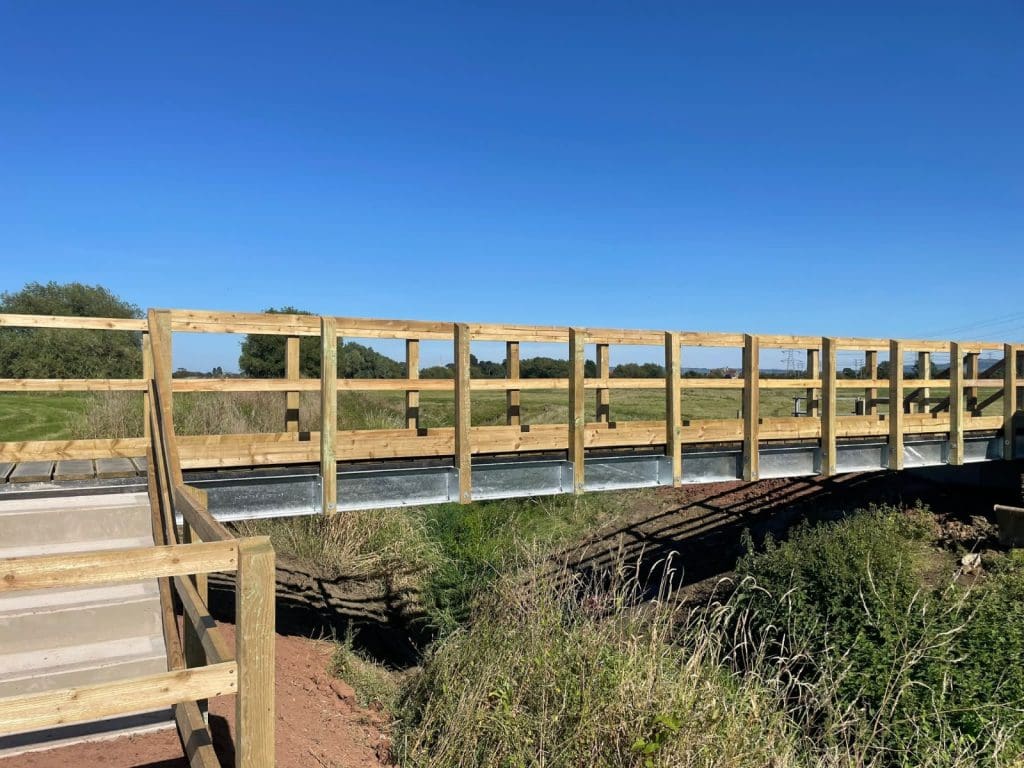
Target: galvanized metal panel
372, 488
712, 466
606, 473
789, 461
246, 498
982, 449
926, 453
862, 457
514, 479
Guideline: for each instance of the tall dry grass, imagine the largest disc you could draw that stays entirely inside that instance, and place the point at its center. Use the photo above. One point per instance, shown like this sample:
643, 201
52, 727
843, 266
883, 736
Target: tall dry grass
119, 414
596, 677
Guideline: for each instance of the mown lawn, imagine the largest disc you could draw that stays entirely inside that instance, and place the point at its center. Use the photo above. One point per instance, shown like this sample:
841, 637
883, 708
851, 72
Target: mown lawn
39, 416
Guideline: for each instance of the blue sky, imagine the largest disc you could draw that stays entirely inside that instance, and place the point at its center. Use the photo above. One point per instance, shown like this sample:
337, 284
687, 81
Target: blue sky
819, 167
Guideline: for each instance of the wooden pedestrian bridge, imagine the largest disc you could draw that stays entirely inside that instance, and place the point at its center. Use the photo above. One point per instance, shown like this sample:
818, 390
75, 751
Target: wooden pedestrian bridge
105, 543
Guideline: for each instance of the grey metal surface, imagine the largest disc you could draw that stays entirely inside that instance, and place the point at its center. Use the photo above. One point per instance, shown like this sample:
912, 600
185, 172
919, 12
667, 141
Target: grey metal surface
372, 488
246, 498
925, 453
862, 457
712, 466
983, 449
789, 461
606, 473
514, 479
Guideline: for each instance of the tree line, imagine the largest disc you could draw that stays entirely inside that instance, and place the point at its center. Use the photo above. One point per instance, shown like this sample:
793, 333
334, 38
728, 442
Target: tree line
70, 353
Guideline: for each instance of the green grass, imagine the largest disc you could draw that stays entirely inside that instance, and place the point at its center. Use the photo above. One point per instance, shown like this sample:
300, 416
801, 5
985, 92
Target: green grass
40, 416
845, 647
67, 416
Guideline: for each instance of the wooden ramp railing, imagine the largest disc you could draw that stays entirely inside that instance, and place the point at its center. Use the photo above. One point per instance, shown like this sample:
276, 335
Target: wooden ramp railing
201, 663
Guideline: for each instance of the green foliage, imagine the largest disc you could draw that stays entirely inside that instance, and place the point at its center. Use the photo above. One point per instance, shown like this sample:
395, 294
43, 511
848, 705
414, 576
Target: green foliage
924, 661
264, 357
68, 353
480, 542
566, 677
638, 371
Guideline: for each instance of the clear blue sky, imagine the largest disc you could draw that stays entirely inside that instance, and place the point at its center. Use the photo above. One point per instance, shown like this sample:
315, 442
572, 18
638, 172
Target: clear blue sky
819, 167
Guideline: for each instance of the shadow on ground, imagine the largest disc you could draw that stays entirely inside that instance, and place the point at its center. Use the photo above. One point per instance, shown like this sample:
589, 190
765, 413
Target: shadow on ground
702, 527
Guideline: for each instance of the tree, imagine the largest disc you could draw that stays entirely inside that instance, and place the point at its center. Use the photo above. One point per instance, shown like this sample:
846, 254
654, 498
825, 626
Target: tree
264, 357
27, 353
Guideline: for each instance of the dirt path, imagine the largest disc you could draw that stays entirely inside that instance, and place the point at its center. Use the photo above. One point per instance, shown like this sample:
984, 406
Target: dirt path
319, 724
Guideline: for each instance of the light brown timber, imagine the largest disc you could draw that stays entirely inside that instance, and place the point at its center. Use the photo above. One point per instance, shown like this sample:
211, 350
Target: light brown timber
292, 373
829, 403
751, 407
328, 413
1010, 403
813, 371
896, 409
673, 416
463, 413
577, 407
513, 406
956, 404
603, 397
412, 372
254, 644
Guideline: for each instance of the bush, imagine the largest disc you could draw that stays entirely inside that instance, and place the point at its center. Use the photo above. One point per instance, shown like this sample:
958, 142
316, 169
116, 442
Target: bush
34, 353
925, 664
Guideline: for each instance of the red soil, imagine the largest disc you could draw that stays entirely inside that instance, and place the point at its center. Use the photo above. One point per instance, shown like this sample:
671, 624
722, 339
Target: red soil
319, 724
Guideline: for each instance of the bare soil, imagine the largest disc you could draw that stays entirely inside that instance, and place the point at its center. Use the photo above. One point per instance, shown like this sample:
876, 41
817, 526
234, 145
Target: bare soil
319, 724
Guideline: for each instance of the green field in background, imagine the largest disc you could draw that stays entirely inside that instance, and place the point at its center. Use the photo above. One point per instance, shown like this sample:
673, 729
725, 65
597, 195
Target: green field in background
60, 416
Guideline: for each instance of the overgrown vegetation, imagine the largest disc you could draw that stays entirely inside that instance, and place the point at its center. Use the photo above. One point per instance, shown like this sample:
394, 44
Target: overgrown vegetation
920, 653
848, 645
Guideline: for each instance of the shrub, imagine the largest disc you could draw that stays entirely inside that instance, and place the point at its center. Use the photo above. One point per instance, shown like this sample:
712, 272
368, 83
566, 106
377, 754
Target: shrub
925, 665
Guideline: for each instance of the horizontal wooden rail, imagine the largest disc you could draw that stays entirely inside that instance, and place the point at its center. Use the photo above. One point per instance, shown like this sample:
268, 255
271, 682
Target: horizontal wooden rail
72, 385
36, 711
82, 569
55, 450
72, 323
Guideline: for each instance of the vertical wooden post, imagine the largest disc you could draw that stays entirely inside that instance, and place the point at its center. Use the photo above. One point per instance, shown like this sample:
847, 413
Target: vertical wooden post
924, 371
813, 372
513, 413
829, 403
956, 404
871, 393
147, 373
463, 416
603, 396
895, 404
291, 372
412, 396
1009, 399
254, 653
973, 360
751, 406
329, 412
673, 417
577, 413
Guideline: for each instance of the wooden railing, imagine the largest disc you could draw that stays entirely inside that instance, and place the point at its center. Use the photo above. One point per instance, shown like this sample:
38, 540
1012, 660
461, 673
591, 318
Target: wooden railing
201, 662
821, 385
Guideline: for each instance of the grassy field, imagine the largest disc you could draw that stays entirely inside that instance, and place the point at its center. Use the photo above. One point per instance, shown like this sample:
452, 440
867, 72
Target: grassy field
79, 415
40, 417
